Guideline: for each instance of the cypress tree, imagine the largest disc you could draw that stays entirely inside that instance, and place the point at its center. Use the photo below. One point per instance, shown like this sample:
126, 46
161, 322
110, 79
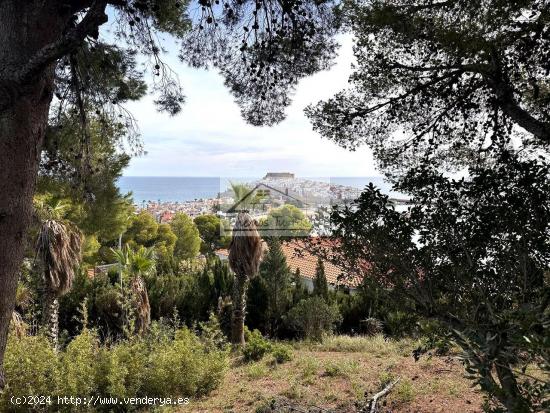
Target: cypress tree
275, 272
320, 284
300, 291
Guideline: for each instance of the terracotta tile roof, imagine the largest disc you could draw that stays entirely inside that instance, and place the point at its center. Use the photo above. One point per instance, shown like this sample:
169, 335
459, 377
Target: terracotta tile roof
297, 256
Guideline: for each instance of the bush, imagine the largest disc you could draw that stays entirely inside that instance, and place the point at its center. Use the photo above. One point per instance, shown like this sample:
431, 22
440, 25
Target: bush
371, 326
183, 367
281, 353
79, 363
31, 367
123, 368
256, 346
433, 338
179, 364
400, 324
314, 317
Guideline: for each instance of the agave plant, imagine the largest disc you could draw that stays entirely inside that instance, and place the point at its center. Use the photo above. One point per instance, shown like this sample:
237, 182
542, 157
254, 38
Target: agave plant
245, 252
137, 263
59, 247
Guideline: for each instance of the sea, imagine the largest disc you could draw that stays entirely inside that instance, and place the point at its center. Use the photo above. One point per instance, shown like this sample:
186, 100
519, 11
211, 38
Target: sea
189, 188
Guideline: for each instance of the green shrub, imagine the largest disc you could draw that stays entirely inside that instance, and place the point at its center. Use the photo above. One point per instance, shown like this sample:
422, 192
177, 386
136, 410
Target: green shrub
385, 378
404, 392
163, 364
256, 346
433, 338
122, 368
281, 353
211, 333
256, 371
183, 366
309, 367
314, 317
31, 367
399, 323
79, 365
371, 326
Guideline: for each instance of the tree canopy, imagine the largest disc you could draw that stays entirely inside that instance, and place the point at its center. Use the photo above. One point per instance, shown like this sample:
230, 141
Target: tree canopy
212, 231
444, 82
285, 221
188, 239
471, 254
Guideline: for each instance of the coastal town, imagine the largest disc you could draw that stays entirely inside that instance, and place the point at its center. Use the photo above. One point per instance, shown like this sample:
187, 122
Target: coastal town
274, 189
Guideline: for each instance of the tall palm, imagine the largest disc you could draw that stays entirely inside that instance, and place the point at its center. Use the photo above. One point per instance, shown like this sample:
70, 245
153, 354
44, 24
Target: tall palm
242, 195
245, 252
59, 246
136, 264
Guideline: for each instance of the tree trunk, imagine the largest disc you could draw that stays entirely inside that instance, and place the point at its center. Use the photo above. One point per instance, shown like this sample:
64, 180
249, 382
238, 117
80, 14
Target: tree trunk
21, 134
140, 301
239, 310
51, 318
26, 28
511, 397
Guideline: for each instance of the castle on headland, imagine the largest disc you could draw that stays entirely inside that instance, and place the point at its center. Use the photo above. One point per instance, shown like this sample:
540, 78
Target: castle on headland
279, 175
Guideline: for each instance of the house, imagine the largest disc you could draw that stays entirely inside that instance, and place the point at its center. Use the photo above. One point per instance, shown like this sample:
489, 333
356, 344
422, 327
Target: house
298, 257
101, 269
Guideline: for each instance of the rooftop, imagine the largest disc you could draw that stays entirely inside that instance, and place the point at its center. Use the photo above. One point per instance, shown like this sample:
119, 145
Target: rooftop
297, 256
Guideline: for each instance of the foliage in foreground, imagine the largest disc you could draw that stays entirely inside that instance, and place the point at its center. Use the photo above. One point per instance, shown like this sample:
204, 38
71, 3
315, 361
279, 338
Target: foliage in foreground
471, 255
166, 363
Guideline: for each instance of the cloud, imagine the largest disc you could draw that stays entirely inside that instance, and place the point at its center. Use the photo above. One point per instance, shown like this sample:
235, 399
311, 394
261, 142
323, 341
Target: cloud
209, 137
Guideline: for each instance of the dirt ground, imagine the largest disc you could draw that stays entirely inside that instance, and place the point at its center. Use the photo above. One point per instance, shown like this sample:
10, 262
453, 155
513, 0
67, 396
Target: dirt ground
335, 381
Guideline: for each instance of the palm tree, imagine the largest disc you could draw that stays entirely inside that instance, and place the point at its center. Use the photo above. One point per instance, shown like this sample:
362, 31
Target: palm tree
59, 246
245, 252
245, 197
136, 264
22, 301
242, 195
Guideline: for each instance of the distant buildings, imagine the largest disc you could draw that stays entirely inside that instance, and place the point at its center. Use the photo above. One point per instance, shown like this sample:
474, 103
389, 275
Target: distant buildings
279, 175
165, 211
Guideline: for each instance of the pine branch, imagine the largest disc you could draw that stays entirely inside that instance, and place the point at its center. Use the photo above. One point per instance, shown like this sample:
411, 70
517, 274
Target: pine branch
11, 89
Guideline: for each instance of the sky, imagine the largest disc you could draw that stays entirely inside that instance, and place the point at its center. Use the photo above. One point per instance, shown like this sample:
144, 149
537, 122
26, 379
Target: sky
209, 137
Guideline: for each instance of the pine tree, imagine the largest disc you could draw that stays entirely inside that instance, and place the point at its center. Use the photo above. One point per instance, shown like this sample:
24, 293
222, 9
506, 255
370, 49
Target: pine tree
206, 300
223, 279
320, 284
276, 274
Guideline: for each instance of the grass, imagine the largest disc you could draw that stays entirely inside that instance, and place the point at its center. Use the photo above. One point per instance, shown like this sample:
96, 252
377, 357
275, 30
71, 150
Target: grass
256, 370
404, 391
341, 368
377, 345
309, 369
338, 372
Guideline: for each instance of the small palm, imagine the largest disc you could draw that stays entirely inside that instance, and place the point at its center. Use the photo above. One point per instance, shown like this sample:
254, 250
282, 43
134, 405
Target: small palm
59, 247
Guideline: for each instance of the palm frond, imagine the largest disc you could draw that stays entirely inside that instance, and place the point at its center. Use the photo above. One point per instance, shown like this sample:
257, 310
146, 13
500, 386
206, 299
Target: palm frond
19, 326
59, 246
48, 208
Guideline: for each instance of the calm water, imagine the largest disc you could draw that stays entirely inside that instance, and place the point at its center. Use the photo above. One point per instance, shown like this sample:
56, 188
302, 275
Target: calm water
171, 189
